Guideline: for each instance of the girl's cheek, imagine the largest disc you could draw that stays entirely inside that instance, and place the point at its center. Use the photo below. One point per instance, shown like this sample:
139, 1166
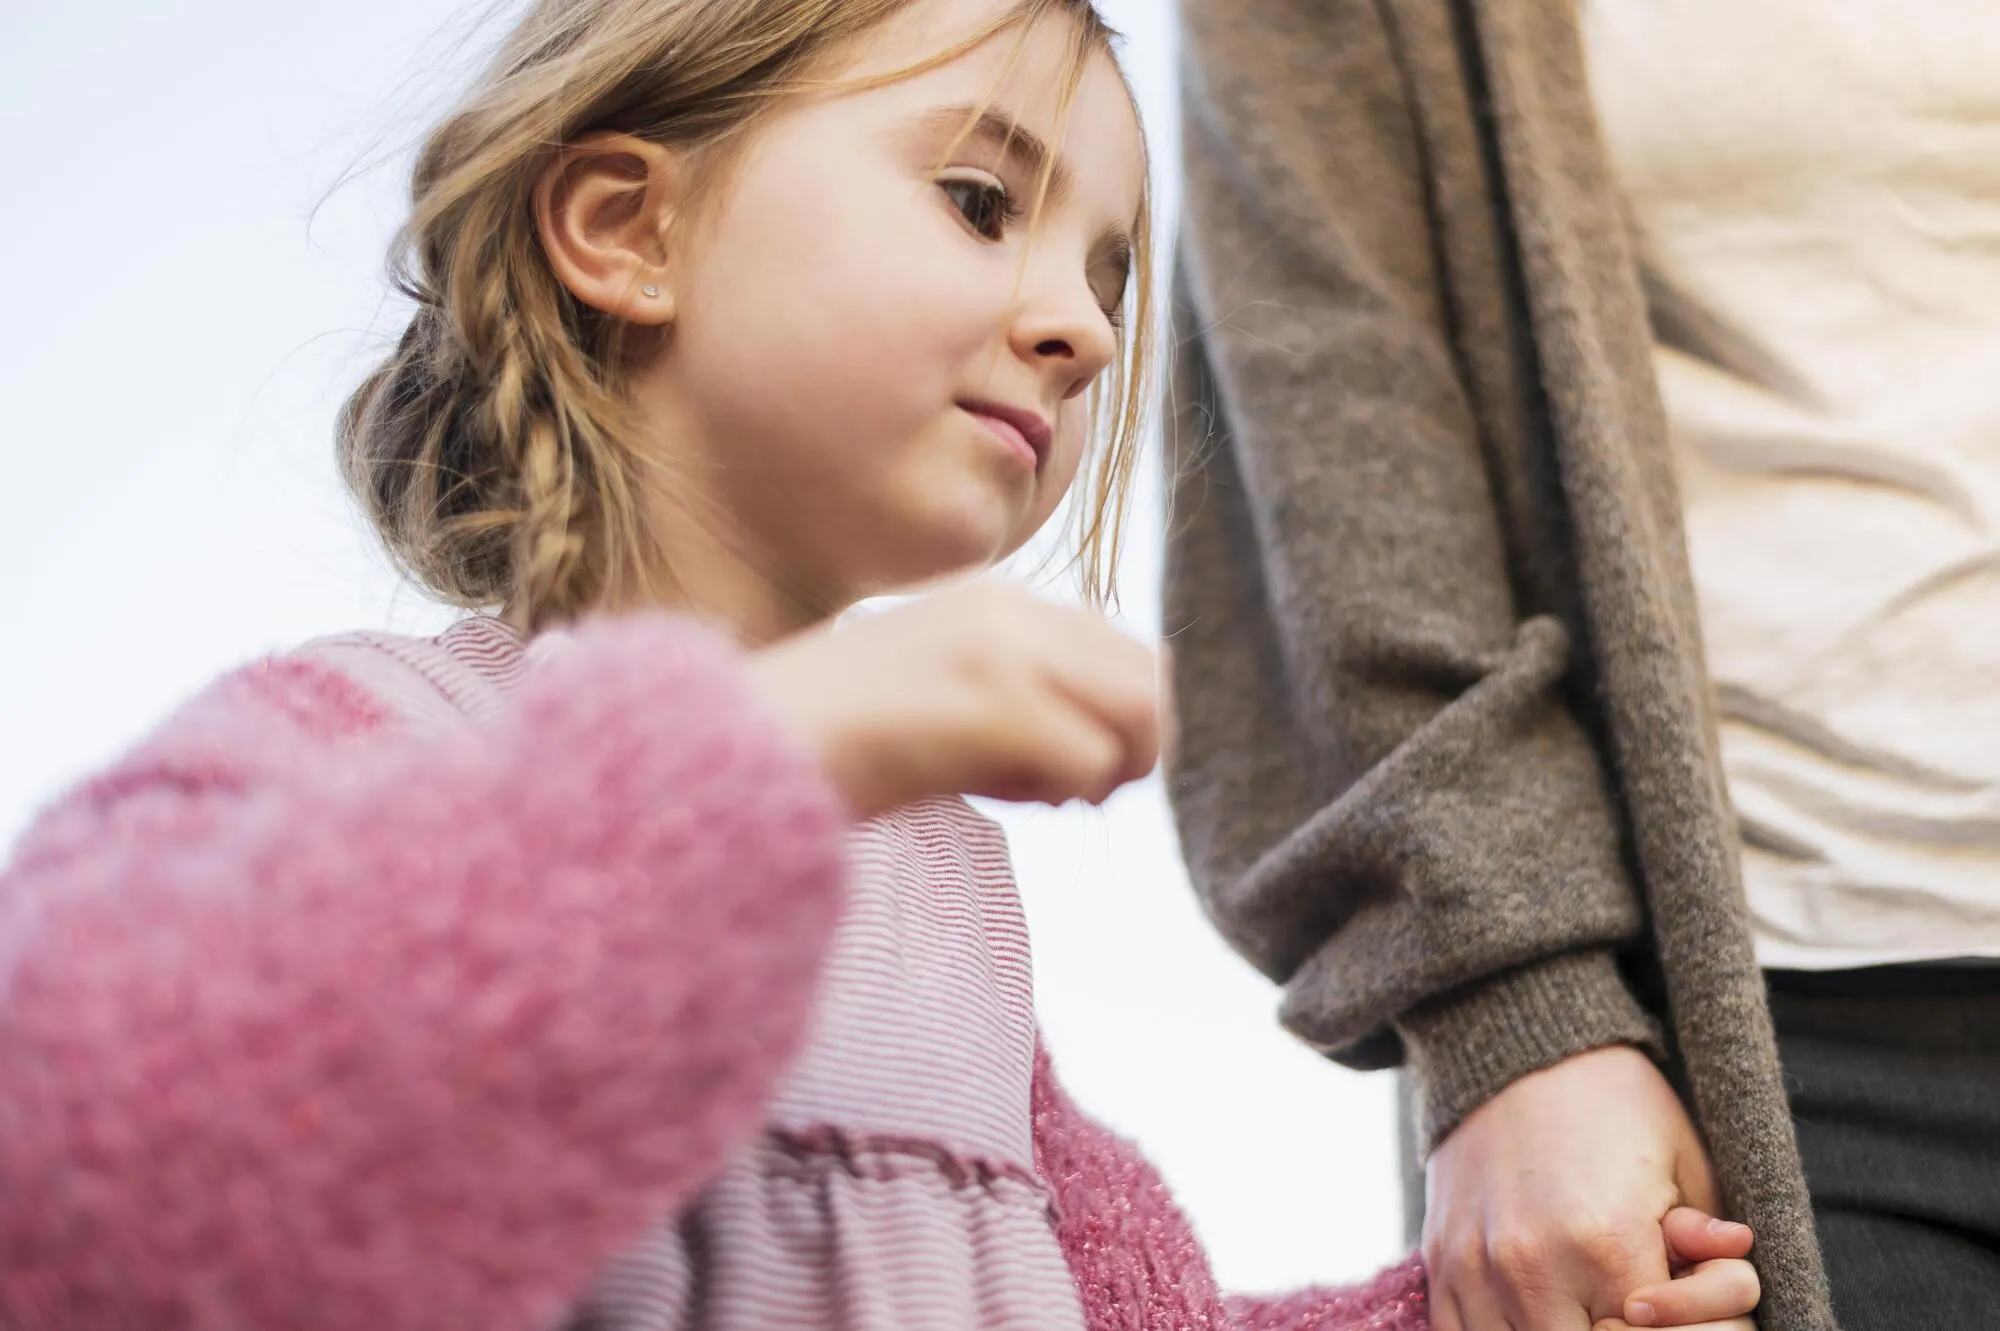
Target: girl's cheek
1070, 441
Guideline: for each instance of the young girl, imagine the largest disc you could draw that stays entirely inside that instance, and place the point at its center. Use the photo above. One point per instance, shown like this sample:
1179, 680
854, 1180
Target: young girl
626, 958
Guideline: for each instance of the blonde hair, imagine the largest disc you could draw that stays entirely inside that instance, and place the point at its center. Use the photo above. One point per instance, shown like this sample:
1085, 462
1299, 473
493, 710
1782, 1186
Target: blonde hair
491, 448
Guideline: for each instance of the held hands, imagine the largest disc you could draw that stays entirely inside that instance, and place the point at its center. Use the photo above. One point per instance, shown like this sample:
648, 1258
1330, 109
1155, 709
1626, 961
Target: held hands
984, 690
1578, 1199
1711, 1278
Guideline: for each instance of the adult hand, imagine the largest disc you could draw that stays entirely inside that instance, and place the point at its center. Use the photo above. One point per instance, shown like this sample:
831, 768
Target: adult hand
1545, 1206
985, 690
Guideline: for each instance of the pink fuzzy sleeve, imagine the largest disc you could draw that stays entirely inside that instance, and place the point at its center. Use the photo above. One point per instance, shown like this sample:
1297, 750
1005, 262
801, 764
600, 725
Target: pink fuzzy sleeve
1395, 1300
307, 1024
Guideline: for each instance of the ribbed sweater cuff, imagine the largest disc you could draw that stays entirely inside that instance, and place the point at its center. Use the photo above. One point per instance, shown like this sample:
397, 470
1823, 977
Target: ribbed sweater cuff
1467, 1046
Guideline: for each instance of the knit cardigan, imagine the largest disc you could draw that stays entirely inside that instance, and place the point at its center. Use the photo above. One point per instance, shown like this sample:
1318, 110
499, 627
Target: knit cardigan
1448, 765
324, 1009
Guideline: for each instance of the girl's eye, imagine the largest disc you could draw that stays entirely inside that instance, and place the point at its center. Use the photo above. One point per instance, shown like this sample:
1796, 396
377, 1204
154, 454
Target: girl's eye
985, 205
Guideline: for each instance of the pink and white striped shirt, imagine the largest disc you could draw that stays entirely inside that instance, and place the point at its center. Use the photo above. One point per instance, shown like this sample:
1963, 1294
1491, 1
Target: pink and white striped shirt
460, 982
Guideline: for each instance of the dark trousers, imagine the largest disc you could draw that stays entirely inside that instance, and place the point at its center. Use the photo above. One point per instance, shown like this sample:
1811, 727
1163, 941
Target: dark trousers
1894, 1079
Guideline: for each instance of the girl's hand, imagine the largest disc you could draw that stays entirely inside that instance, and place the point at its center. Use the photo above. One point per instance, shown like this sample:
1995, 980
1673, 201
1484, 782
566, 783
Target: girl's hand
1713, 1287
985, 690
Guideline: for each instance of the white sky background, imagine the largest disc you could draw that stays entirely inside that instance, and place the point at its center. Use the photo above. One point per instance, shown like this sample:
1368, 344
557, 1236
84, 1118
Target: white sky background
180, 325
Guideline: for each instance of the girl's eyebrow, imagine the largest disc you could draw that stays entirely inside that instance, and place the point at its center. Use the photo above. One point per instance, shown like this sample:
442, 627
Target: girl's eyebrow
1027, 151
1008, 137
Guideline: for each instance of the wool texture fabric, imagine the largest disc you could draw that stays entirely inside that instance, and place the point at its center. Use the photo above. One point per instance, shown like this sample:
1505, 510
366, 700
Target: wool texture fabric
1448, 767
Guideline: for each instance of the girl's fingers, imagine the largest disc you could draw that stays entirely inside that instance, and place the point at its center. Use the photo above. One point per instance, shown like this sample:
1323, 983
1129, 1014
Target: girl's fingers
1713, 1291
1119, 687
1695, 1236
1047, 748
1733, 1324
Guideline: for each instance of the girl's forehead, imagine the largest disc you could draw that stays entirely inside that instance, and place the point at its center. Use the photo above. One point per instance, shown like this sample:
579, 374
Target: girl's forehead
1021, 77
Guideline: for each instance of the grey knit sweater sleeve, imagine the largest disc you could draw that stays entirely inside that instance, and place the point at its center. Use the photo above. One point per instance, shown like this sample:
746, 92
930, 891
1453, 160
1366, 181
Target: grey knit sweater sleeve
1385, 802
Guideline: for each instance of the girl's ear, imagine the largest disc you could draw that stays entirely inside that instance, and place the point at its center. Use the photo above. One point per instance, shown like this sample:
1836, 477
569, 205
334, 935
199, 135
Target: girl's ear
604, 208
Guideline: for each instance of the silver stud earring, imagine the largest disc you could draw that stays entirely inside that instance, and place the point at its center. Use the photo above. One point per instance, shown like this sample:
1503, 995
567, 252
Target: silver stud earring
650, 290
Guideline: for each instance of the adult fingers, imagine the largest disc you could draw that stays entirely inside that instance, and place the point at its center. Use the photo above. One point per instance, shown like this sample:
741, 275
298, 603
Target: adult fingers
1713, 1291
1550, 1313
1445, 1313
1732, 1324
1561, 1282
1488, 1301
1479, 1309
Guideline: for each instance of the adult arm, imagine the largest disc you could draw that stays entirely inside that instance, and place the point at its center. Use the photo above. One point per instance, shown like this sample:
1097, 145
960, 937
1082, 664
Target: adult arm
1386, 800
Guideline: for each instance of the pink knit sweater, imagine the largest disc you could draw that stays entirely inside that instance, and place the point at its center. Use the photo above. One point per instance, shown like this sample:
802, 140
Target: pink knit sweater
448, 984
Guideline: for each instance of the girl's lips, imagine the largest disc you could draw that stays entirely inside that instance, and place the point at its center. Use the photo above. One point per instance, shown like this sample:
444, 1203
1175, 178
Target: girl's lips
1024, 431
1008, 435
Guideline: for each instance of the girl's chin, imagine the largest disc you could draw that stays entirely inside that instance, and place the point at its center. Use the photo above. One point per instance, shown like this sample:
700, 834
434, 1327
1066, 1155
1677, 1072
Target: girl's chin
931, 533
974, 534
943, 562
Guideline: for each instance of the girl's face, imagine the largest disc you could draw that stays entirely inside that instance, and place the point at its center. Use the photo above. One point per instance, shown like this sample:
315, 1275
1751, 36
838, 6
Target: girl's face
874, 375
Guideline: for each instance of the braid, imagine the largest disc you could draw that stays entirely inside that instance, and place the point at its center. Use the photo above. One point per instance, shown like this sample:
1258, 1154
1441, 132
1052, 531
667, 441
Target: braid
486, 448
534, 393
